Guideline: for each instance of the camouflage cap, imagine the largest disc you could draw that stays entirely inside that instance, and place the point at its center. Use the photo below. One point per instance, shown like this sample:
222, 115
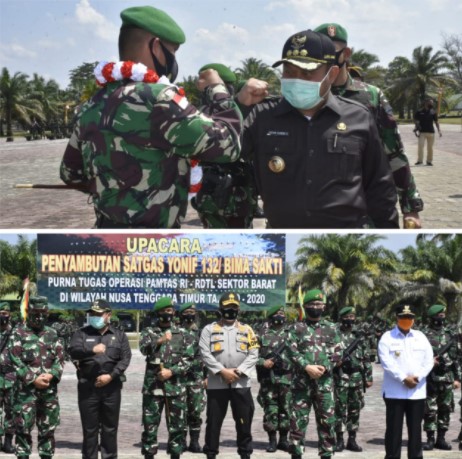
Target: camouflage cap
229, 298
185, 306
334, 31
404, 310
159, 23
225, 73
273, 310
38, 303
4, 306
100, 306
313, 295
308, 50
162, 303
435, 309
346, 310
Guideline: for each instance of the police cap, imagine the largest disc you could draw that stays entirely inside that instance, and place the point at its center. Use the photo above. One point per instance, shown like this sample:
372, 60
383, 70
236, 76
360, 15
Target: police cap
404, 310
100, 306
308, 50
229, 299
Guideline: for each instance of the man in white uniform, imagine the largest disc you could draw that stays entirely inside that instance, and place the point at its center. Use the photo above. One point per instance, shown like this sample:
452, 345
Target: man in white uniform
407, 358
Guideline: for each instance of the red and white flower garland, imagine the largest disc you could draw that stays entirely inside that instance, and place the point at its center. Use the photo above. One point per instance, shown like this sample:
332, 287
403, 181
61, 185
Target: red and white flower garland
107, 72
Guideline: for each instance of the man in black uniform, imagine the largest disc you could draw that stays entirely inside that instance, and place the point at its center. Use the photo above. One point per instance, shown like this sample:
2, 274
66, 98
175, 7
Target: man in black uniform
102, 354
319, 159
424, 119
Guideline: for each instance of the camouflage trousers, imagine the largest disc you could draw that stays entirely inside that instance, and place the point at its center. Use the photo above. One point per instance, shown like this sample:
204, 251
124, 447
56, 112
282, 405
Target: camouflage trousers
153, 406
276, 401
195, 404
438, 406
349, 400
6, 411
41, 407
320, 395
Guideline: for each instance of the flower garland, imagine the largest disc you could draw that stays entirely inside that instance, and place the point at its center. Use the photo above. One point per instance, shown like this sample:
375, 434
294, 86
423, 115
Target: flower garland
107, 72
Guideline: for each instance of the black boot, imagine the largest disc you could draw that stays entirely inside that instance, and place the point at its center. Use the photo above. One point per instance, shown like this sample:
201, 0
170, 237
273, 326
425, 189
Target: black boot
8, 444
351, 443
340, 445
272, 442
245, 456
460, 440
441, 442
283, 443
430, 444
296, 456
174, 456
194, 446
211, 456
149, 456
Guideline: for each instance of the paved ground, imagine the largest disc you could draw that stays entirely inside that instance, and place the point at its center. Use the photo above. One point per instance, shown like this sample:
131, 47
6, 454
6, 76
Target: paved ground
370, 436
38, 162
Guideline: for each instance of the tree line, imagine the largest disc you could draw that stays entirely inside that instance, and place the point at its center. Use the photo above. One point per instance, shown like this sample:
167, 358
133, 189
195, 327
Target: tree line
28, 102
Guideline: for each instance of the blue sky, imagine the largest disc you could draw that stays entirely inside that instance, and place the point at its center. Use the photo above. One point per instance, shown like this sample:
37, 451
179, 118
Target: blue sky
51, 37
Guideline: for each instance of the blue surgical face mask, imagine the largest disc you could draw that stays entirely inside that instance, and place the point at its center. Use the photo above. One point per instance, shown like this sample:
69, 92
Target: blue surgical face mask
302, 94
97, 322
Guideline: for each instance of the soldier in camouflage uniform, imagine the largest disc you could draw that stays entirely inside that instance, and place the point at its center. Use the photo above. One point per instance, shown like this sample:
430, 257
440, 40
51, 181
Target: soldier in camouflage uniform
228, 196
445, 376
195, 381
374, 99
133, 140
275, 376
7, 381
64, 335
37, 355
169, 352
351, 378
314, 349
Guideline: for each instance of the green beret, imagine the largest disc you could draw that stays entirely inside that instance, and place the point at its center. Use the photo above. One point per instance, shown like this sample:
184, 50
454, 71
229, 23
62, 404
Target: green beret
346, 310
226, 74
334, 31
229, 298
312, 295
435, 309
187, 306
4, 306
38, 303
273, 310
162, 303
155, 21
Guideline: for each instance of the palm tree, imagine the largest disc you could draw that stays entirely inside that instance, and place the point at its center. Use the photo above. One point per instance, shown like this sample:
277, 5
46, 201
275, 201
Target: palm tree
434, 271
16, 263
17, 103
422, 76
255, 68
348, 268
363, 59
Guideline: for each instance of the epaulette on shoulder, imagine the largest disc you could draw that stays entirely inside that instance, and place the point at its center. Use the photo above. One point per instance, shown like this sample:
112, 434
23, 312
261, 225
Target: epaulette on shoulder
352, 102
216, 327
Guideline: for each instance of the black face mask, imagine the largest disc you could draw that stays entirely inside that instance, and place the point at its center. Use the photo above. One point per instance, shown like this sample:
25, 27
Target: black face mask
36, 321
4, 320
165, 318
314, 313
278, 320
230, 314
348, 323
170, 69
438, 322
337, 57
189, 319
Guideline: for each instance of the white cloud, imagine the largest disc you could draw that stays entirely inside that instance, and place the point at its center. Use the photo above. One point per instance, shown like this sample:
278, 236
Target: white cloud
101, 27
15, 50
48, 44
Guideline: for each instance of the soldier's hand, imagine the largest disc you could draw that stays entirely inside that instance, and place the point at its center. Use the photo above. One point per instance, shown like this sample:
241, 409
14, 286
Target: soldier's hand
167, 336
456, 384
99, 349
208, 77
164, 374
41, 382
315, 371
102, 380
369, 384
205, 383
253, 92
411, 220
48, 377
436, 361
268, 363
